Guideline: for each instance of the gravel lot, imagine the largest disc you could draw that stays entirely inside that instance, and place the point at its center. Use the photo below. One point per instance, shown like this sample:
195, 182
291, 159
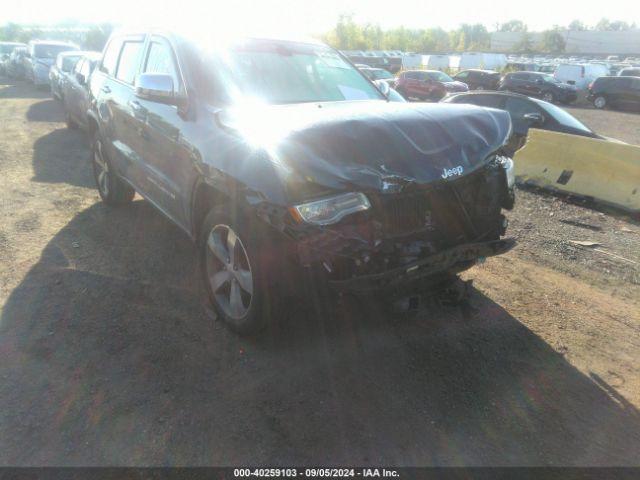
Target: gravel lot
106, 356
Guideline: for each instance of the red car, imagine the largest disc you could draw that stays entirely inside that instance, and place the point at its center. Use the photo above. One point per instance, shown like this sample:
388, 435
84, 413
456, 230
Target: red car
427, 85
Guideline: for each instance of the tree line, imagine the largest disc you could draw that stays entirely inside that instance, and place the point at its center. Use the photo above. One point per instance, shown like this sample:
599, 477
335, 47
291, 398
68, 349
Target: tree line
350, 35
89, 37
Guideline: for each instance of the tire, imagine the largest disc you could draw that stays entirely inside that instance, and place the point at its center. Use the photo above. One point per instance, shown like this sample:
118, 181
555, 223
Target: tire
71, 124
112, 189
235, 263
600, 102
549, 97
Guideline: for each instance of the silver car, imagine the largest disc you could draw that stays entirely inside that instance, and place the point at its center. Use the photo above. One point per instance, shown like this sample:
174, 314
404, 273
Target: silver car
75, 90
6, 49
61, 69
41, 55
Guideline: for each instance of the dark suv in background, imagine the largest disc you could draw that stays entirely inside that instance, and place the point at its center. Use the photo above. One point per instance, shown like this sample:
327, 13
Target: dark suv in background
541, 85
281, 159
479, 79
615, 92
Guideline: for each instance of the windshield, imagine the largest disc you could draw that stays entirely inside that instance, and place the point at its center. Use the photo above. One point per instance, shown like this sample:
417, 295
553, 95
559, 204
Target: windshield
285, 72
563, 117
50, 51
439, 77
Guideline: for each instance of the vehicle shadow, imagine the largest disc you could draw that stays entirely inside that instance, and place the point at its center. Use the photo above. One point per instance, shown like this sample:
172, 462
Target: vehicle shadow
10, 88
48, 110
62, 156
108, 359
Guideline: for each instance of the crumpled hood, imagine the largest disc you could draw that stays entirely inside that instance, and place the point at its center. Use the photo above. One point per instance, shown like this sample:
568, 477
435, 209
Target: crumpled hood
370, 144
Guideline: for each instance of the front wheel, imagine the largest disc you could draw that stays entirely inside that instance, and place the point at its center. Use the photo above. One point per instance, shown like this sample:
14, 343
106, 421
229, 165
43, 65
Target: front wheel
112, 189
235, 260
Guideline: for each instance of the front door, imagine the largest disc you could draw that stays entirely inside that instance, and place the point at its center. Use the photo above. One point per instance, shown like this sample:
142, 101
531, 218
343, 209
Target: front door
167, 157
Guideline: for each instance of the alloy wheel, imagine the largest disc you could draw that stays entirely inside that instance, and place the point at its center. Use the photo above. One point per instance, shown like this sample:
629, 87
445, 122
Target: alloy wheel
547, 97
600, 102
229, 272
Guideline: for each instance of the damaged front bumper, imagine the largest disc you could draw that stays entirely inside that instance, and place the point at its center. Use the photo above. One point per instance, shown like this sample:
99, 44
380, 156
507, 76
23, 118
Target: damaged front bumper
459, 257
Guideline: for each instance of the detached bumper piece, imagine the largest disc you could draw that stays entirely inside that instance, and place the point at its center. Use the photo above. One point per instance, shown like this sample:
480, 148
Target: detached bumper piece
441, 262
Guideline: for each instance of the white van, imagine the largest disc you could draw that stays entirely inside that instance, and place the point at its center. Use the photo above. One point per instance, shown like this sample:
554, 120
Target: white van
580, 74
486, 61
435, 62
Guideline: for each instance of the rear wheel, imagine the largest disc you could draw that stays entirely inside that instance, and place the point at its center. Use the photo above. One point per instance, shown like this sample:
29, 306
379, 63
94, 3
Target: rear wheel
600, 102
112, 189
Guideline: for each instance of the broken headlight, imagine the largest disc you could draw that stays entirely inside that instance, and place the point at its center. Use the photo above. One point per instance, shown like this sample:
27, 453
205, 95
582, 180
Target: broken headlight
507, 164
330, 210
510, 173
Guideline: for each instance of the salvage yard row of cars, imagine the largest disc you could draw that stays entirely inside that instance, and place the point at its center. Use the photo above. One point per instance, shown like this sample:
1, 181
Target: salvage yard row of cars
281, 159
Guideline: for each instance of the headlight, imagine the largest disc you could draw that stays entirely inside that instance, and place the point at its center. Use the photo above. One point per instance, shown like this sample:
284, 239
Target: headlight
331, 210
507, 164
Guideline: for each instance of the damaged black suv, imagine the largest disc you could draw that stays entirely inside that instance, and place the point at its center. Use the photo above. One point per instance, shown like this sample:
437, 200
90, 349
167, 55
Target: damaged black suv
280, 158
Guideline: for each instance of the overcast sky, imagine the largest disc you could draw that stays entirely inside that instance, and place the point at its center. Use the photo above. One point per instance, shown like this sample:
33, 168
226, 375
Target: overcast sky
309, 17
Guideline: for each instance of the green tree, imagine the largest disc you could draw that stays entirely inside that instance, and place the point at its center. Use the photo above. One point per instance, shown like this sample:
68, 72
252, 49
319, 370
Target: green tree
10, 32
512, 26
525, 45
552, 41
97, 36
577, 25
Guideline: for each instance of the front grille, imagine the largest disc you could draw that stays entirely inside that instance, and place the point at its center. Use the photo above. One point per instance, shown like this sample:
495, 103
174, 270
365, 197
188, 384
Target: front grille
402, 214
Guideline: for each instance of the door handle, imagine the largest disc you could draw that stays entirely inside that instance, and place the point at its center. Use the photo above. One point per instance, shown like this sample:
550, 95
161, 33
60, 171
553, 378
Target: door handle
106, 89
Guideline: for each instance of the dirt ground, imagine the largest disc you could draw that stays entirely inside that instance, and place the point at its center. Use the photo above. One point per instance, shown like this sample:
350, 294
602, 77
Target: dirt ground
106, 356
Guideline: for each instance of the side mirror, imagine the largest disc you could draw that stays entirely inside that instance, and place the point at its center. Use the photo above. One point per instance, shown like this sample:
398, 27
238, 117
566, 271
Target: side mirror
81, 79
534, 118
156, 87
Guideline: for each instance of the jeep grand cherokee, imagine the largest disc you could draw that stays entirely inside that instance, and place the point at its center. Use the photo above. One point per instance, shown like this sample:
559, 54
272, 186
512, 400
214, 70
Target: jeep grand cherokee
280, 157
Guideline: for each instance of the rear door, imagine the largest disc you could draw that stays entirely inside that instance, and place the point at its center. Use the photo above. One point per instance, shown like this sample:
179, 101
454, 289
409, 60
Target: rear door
118, 94
632, 95
517, 82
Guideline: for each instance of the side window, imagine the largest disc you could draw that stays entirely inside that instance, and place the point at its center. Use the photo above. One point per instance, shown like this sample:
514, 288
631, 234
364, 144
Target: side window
463, 75
160, 60
129, 61
110, 59
493, 101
